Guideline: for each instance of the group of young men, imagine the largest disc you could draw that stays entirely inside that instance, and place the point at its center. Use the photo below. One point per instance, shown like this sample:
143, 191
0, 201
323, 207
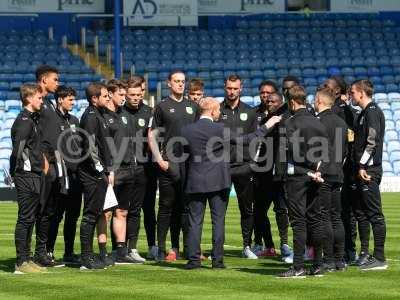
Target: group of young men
320, 166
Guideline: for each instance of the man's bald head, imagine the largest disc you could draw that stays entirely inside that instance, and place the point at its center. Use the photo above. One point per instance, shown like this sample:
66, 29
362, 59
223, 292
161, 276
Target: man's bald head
210, 107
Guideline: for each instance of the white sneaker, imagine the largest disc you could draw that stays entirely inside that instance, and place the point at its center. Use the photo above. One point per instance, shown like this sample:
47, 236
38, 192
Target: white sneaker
134, 254
288, 259
247, 253
152, 253
257, 249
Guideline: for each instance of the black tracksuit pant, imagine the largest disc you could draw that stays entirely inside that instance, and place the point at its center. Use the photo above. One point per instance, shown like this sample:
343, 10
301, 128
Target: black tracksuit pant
172, 209
268, 191
135, 192
305, 216
49, 190
149, 203
333, 246
94, 191
70, 206
218, 202
353, 216
28, 197
371, 206
242, 179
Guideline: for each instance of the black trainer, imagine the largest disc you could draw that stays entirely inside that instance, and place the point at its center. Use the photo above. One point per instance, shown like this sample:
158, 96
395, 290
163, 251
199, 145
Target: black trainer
329, 267
293, 273
316, 270
107, 259
340, 266
43, 261
160, 256
122, 257
362, 259
92, 263
72, 259
374, 264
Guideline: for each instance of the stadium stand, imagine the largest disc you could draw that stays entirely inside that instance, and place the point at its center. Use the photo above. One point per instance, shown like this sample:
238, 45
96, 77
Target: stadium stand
18, 61
312, 48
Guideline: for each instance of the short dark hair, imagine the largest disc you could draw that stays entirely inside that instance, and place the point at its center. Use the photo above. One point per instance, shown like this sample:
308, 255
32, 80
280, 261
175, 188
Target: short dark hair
114, 85
136, 77
268, 83
64, 91
134, 83
298, 94
43, 71
233, 77
172, 73
341, 83
364, 85
94, 90
291, 78
196, 84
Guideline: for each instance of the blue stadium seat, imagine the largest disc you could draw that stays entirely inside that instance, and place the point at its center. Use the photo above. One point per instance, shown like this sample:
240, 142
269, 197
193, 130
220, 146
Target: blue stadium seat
391, 135
391, 87
393, 146
218, 92
395, 156
396, 167
387, 166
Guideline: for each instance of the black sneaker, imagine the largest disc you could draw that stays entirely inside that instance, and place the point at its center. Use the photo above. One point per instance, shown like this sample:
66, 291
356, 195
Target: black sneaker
160, 256
340, 266
316, 270
329, 267
107, 259
293, 273
92, 263
72, 259
43, 261
374, 264
351, 258
50, 255
362, 259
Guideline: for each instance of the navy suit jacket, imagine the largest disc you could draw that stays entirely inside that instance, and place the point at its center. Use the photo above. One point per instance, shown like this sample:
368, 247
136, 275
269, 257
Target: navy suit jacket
203, 174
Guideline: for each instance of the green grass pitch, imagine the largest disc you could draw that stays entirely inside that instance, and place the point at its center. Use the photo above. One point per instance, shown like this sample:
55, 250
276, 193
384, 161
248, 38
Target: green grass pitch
243, 279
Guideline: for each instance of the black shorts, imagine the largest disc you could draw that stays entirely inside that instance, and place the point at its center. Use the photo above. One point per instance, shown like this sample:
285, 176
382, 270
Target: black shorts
124, 186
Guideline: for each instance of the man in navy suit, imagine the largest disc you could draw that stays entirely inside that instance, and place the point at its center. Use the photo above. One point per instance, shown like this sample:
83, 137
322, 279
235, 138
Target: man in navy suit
208, 178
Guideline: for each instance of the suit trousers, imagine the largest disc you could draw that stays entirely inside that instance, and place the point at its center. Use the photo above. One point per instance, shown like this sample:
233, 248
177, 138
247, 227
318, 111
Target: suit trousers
28, 199
371, 205
218, 202
305, 215
70, 206
267, 192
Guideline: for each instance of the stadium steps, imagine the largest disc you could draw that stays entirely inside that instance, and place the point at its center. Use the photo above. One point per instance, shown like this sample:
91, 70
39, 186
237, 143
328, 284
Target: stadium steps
91, 61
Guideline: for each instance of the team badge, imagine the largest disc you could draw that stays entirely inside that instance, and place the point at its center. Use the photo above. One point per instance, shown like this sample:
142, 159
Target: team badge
189, 110
62, 127
73, 128
111, 121
243, 116
141, 122
124, 120
224, 117
172, 110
